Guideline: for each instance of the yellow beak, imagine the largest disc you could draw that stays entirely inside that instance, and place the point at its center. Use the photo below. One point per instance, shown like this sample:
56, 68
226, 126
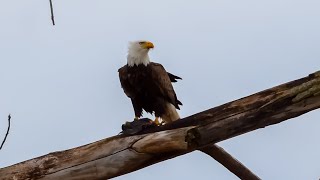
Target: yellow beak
148, 45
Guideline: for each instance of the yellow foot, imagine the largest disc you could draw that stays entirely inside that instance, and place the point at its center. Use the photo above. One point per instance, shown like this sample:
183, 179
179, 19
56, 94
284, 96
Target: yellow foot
157, 122
136, 118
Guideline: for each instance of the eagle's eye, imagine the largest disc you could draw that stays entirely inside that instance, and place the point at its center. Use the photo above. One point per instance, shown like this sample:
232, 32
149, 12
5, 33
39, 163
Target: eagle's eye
141, 42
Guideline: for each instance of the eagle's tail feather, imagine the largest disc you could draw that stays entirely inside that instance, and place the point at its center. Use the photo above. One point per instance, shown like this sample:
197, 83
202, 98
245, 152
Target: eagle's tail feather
173, 78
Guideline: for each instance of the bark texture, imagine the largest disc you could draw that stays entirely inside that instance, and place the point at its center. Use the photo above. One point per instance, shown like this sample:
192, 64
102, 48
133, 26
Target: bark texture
121, 154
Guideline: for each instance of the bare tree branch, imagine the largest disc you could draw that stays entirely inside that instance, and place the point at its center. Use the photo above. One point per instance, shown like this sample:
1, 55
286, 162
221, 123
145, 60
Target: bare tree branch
51, 9
5, 138
232, 164
123, 154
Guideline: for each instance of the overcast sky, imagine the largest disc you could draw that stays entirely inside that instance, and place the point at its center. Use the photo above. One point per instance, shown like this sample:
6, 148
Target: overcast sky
60, 83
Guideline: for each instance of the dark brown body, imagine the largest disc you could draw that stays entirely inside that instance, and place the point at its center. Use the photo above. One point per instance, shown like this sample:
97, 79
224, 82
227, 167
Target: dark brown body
149, 88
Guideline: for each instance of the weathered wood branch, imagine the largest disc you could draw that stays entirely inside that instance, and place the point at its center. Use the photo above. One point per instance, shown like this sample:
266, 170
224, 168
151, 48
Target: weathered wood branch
121, 154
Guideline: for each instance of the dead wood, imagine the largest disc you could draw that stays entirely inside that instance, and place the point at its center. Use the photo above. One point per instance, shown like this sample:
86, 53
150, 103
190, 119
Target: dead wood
122, 154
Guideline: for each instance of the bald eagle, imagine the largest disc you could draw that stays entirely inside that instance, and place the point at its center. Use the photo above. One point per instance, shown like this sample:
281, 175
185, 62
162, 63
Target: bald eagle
148, 84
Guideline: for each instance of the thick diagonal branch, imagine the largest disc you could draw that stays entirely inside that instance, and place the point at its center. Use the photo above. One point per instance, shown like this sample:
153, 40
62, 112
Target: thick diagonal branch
119, 155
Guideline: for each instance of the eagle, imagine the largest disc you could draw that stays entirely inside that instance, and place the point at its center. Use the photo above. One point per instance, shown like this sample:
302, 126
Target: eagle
148, 84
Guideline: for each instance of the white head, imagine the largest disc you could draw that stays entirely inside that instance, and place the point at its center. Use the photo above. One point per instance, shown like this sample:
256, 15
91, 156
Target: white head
138, 53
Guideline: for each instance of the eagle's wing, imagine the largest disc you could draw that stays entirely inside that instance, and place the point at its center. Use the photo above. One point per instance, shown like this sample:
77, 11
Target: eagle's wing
130, 90
162, 81
125, 83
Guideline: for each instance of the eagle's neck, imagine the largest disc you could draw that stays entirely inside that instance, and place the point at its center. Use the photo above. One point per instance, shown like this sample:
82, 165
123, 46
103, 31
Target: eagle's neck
137, 59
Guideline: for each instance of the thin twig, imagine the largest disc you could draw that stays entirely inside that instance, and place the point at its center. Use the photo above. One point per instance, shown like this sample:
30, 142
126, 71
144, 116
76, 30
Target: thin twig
5, 138
232, 164
52, 16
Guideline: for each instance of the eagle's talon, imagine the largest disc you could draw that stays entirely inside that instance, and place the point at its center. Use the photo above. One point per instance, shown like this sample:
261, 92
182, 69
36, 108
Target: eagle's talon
157, 122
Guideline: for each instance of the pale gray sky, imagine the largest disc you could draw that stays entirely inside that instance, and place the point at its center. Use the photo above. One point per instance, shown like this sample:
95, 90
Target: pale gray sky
61, 84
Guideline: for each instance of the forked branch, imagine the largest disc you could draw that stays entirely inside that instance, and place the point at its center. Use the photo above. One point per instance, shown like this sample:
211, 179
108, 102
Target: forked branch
122, 154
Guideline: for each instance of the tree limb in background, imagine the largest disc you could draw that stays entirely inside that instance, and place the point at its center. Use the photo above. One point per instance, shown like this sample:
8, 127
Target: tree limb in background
229, 162
51, 9
5, 138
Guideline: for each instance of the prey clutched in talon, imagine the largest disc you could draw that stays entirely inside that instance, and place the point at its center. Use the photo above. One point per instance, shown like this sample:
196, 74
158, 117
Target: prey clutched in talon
137, 125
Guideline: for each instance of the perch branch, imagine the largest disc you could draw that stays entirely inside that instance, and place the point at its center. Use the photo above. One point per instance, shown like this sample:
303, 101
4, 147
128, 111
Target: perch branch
122, 154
